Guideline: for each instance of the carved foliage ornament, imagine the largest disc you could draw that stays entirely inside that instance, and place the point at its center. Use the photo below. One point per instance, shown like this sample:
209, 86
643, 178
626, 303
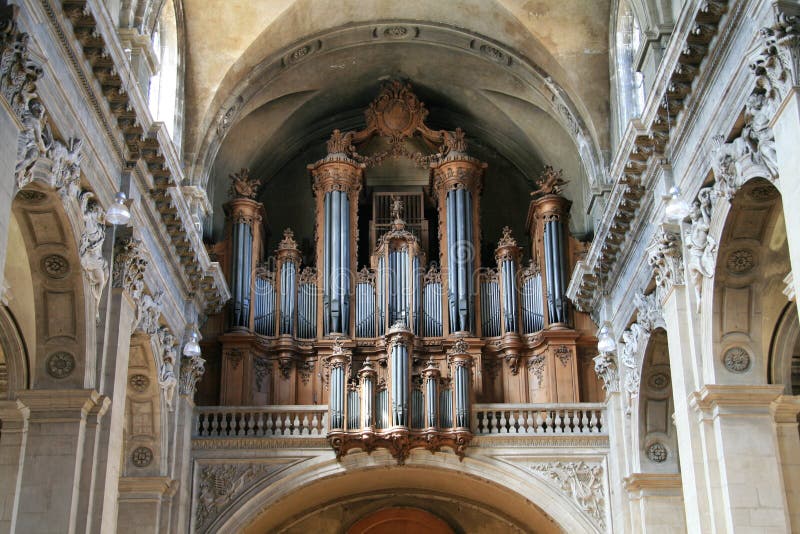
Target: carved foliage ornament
130, 262
605, 365
580, 481
664, 256
551, 182
221, 484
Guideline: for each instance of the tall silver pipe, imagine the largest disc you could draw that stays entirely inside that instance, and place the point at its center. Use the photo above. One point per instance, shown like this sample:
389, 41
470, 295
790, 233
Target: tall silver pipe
326, 273
452, 257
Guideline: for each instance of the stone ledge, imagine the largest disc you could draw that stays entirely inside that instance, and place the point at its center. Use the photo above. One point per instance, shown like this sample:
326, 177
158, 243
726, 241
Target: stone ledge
152, 486
663, 483
63, 405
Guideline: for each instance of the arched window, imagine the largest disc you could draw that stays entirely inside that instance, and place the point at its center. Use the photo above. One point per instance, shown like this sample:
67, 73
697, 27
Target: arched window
164, 84
630, 83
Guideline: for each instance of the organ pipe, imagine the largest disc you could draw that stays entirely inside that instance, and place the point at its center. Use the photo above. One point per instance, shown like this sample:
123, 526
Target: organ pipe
457, 183
337, 182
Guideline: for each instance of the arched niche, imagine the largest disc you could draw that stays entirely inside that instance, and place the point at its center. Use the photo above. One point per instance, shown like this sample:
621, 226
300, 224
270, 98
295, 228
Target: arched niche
47, 289
402, 519
657, 436
747, 299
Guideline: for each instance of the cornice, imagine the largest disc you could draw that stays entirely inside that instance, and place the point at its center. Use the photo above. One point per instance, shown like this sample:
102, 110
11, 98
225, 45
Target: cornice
104, 72
644, 141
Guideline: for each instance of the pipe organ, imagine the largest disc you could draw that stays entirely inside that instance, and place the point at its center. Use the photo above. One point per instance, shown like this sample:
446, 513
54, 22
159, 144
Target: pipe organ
400, 348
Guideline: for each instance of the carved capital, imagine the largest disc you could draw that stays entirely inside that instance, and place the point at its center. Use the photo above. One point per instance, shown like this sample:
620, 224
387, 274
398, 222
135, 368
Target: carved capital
666, 259
192, 370
605, 365
130, 262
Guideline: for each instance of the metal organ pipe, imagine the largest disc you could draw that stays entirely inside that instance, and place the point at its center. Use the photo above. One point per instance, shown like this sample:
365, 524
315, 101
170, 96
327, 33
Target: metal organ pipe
452, 266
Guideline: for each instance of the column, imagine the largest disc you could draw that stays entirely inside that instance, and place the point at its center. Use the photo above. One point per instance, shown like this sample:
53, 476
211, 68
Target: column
129, 262
697, 496
337, 183
14, 419
726, 436
52, 466
457, 183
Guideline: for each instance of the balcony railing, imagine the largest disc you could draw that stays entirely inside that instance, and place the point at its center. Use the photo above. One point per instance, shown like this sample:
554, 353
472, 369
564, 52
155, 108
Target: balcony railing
579, 418
261, 421
312, 420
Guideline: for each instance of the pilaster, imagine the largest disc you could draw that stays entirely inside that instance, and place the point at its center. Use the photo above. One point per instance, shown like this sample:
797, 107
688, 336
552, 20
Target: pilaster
743, 455
53, 458
13, 439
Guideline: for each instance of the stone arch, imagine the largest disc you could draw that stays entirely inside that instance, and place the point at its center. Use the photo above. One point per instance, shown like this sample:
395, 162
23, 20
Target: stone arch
743, 299
522, 488
59, 344
784, 355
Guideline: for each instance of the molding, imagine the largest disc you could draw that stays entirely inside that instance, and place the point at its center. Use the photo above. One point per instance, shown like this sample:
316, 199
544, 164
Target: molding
734, 399
155, 486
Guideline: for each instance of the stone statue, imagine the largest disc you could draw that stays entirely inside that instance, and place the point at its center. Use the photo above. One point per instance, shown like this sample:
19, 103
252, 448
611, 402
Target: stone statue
34, 141
67, 166
95, 267
700, 245
166, 373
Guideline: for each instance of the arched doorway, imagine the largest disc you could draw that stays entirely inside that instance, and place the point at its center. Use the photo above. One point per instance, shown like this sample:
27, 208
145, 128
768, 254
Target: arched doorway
400, 521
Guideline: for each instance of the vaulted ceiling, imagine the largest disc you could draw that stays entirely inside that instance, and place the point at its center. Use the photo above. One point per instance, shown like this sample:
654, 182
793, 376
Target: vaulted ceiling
267, 81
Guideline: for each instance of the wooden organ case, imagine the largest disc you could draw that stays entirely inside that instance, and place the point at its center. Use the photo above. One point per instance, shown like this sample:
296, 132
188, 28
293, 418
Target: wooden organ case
400, 349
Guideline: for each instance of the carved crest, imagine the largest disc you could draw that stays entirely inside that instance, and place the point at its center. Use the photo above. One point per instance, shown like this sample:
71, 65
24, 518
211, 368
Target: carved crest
242, 186
288, 242
551, 182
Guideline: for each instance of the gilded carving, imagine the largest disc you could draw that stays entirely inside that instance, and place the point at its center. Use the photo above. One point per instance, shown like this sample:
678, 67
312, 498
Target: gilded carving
242, 186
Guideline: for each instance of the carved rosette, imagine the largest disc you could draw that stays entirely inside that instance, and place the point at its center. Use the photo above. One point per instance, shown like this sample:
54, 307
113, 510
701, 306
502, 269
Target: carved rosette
130, 262
666, 259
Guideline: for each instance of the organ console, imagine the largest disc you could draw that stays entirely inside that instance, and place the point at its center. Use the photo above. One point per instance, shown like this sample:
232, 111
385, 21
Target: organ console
400, 348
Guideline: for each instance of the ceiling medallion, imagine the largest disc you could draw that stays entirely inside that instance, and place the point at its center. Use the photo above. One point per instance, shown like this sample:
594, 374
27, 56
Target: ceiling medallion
740, 261
60, 364
736, 360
